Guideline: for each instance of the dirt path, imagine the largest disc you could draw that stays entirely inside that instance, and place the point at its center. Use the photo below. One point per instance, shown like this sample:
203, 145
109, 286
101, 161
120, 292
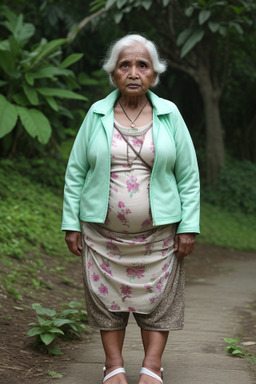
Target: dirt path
196, 355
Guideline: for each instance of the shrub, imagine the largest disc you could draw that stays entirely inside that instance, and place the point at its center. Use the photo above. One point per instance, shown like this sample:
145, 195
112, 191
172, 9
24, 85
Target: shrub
34, 81
68, 323
235, 188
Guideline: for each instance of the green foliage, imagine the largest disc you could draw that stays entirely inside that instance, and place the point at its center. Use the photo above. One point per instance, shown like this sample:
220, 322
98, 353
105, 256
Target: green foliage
30, 213
34, 80
217, 17
67, 324
9, 284
55, 375
237, 350
214, 17
235, 188
227, 229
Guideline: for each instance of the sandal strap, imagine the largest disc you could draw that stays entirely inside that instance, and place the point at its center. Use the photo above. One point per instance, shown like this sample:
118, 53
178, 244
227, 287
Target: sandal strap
150, 373
113, 373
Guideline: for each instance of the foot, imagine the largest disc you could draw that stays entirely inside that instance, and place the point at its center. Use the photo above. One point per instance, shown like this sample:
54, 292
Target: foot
147, 376
114, 376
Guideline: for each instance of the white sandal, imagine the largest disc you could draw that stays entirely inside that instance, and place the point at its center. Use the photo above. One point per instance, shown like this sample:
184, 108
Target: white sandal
152, 374
113, 373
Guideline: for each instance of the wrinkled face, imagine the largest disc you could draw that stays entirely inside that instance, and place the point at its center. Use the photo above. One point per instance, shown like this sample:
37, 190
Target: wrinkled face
134, 72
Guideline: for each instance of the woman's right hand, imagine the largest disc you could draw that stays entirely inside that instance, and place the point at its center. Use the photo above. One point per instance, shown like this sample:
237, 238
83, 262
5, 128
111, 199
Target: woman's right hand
74, 242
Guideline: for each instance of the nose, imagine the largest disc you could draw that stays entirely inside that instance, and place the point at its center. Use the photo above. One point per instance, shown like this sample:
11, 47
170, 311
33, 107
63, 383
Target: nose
133, 72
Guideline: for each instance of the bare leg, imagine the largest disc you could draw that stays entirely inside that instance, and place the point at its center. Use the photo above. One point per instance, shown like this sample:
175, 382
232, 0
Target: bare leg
154, 343
112, 342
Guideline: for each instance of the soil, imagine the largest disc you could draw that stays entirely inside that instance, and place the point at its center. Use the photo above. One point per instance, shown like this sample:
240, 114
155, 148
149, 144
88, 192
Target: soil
20, 362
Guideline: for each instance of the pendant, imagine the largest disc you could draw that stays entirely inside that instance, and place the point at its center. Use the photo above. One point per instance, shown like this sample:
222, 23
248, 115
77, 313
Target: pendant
132, 125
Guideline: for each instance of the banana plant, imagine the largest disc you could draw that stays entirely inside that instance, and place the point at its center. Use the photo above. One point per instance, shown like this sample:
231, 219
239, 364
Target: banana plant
34, 80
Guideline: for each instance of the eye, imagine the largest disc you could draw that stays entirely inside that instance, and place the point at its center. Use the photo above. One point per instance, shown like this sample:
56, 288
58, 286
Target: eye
143, 64
124, 64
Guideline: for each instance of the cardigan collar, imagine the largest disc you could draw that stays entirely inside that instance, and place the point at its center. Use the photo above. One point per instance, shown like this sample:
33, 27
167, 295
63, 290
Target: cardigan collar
106, 105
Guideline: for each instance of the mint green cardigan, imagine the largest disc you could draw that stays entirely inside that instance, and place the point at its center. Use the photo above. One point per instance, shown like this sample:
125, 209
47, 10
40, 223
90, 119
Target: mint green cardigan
174, 183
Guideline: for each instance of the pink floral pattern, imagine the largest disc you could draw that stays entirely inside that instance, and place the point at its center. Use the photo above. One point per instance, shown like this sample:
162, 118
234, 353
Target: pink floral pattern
126, 292
103, 289
105, 268
137, 142
129, 260
134, 272
132, 185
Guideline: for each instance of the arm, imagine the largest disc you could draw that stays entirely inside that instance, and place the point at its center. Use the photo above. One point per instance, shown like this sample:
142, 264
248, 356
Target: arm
76, 171
187, 178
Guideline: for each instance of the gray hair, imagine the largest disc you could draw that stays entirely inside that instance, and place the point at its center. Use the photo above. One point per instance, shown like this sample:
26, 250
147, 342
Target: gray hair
109, 64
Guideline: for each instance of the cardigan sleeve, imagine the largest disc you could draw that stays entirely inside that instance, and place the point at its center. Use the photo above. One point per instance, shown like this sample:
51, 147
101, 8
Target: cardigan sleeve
75, 177
187, 176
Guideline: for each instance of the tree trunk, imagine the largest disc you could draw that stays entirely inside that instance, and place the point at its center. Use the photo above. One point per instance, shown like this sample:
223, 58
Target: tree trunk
215, 150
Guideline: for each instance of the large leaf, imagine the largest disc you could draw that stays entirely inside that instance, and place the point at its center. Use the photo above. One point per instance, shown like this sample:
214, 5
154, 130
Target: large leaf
118, 17
34, 331
52, 102
237, 27
120, 3
7, 62
71, 59
46, 72
8, 116
189, 11
48, 48
61, 322
204, 16
62, 93
183, 36
47, 338
31, 94
4, 45
146, 4
36, 124
56, 330
15, 47
23, 32
109, 3
191, 42
213, 26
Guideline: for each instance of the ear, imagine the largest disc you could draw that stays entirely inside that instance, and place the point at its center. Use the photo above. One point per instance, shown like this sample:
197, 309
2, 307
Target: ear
154, 78
113, 78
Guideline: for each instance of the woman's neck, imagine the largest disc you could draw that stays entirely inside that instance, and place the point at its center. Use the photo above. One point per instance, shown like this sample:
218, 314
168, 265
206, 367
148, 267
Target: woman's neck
133, 102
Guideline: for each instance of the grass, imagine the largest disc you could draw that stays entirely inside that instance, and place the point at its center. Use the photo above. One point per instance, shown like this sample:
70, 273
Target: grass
30, 220
236, 349
30, 216
227, 229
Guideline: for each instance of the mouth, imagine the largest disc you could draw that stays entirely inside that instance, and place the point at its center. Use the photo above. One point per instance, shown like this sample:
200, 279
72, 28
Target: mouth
133, 85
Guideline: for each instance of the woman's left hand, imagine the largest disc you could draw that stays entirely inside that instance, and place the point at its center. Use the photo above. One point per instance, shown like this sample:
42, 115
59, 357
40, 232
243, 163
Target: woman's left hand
184, 244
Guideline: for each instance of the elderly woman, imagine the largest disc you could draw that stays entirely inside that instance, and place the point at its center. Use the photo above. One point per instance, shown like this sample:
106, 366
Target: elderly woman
131, 208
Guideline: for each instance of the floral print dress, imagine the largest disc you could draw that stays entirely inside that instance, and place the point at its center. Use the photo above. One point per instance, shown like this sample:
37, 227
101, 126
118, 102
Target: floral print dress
128, 259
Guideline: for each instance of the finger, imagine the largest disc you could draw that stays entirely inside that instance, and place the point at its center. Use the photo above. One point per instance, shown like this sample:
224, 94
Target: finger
80, 244
185, 250
73, 247
176, 243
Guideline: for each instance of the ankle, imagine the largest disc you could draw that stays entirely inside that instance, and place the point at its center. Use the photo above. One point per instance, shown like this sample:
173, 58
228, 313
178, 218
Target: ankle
112, 364
153, 365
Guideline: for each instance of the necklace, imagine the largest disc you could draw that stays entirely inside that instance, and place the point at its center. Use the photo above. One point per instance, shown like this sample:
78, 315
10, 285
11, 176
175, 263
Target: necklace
133, 121
140, 140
